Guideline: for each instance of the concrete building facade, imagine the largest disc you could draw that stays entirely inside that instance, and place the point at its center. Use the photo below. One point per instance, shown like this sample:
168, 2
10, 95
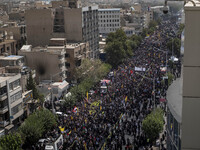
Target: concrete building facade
109, 20
75, 53
191, 72
183, 95
74, 24
10, 101
49, 62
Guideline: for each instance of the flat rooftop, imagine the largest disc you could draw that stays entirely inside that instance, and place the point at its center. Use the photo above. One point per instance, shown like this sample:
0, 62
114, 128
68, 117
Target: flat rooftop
175, 99
110, 9
11, 57
73, 45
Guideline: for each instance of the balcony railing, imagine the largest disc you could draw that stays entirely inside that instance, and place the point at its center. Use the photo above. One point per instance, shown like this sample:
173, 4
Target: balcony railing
3, 110
3, 97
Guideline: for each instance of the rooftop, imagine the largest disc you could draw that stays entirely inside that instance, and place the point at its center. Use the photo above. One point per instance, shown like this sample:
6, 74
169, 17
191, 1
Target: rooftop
174, 98
73, 45
110, 9
6, 76
11, 57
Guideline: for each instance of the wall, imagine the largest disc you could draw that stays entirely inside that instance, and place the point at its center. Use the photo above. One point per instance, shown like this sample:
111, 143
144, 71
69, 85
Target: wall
39, 23
191, 81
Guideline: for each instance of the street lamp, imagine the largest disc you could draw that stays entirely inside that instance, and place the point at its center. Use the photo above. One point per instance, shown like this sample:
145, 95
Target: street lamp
153, 80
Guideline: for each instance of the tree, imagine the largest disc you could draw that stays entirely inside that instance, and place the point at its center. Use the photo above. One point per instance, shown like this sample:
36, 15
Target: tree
153, 124
70, 101
174, 45
11, 142
41, 100
31, 85
36, 125
153, 24
32, 130
48, 119
115, 53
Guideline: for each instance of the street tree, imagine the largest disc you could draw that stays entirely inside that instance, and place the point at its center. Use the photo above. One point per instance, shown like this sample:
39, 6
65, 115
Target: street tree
174, 45
115, 53
11, 141
31, 85
153, 124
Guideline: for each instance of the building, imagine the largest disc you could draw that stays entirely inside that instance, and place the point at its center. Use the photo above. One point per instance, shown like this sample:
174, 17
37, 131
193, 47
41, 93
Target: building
109, 20
183, 95
75, 53
191, 95
15, 32
65, 21
49, 62
91, 29
136, 17
16, 64
8, 47
11, 110
59, 89
129, 31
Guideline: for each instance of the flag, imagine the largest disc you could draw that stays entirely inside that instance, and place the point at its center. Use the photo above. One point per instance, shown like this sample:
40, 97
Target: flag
75, 110
69, 133
87, 95
126, 99
85, 146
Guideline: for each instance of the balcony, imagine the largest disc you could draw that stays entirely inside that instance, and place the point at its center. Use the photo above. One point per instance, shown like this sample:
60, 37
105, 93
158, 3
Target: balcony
3, 97
4, 123
3, 110
18, 114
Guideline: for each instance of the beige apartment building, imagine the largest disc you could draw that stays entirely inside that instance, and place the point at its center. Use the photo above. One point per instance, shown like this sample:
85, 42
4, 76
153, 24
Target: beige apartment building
49, 62
63, 20
7, 47
183, 96
10, 101
15, 32
75, 53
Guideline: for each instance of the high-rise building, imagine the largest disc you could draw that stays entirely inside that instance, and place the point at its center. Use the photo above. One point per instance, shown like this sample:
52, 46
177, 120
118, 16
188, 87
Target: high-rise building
64, 21
183, 96
109, 20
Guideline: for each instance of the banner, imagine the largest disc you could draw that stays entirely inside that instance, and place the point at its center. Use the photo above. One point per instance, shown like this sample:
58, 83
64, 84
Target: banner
140, 69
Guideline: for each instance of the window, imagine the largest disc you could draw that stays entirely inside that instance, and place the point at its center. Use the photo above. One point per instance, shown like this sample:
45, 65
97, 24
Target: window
16, 97
3, 90
67, 55
14, 84
16, 109
67, 65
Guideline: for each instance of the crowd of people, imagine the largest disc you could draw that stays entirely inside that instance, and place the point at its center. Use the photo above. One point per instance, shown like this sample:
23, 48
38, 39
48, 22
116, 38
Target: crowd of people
115, 121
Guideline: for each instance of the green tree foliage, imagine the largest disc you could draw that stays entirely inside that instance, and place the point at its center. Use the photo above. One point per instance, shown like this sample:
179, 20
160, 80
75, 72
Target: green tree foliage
89, 73
31, 85
120, 47
170, 78
181, 28
11, 142
175, 45
153, 124
70, 101
36, 125
115, 53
